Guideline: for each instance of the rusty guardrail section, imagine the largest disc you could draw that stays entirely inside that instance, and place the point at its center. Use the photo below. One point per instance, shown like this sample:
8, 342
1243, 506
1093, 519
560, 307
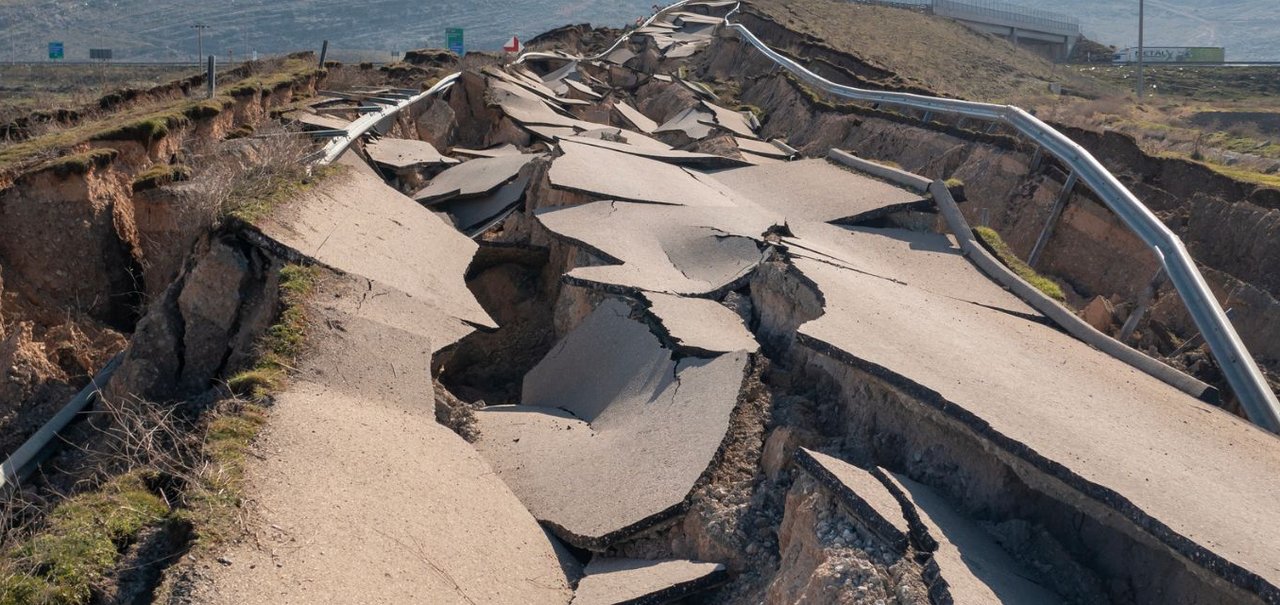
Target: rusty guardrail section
1237, 364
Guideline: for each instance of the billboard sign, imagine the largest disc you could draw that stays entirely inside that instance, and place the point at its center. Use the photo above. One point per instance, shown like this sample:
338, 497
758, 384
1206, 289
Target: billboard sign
55, 51
454, 40
100, 54
1174, 54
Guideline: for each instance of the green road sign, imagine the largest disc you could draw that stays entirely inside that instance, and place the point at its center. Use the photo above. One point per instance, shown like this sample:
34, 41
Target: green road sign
453, 40
55, 51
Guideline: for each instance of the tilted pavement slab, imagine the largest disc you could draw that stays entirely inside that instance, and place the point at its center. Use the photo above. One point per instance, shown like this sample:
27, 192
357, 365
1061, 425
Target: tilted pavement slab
971, 567
642, 122
473, 213
693, 122
474, 177
628, 137
359, 495
672, 249
616, 450
701, 324
817, 190
668, 155
1195, 478
866, 498
614, 175
927, 261
356, 224
405, 153
640, 582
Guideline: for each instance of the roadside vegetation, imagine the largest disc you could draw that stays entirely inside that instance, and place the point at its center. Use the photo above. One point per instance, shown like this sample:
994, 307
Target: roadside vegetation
28, 88
992, 241
169, 469
177, 465
1239, 139
146, 122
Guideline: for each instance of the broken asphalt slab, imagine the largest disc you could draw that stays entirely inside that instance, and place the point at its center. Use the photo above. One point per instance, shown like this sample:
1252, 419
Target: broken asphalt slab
818, 190
473, 178
701, 326
640, 582
356, 224
615, 175
405, 153
359, 495
971, 566
868, 501
683, 250
618, 450
1108, 434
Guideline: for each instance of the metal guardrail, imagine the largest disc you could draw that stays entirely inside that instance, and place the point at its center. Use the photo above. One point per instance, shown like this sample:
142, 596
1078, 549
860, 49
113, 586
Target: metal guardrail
1237, 365
338, 145
19, 465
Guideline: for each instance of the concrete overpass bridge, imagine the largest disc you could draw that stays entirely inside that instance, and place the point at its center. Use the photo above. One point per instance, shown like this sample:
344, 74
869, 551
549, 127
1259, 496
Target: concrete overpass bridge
1052, 34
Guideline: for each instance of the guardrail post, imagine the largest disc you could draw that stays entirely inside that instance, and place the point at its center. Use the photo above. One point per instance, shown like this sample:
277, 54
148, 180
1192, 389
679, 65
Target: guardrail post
211, 80
1061, 204
1144, 305
1037, 160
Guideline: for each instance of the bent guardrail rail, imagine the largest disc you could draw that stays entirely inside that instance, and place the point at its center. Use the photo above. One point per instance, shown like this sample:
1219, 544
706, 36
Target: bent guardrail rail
338, 145
23, 461
1237, 365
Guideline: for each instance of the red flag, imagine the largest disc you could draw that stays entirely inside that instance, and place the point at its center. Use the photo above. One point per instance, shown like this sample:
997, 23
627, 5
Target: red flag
513, 45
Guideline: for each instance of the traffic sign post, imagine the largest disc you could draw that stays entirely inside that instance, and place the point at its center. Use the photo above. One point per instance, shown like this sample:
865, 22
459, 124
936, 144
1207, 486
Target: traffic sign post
55, 51
454, 40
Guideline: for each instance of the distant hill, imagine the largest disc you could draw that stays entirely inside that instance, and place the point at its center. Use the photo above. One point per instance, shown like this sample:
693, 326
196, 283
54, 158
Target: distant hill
161, 29
1250, 29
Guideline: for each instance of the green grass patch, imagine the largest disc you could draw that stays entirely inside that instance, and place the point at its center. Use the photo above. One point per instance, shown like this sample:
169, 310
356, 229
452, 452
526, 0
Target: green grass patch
267, 186
149, 123
1242, 174
1239, 174
283, 342
161, 175
210, 108
79, 163
293, 71
79, 544
146, 130
993, 242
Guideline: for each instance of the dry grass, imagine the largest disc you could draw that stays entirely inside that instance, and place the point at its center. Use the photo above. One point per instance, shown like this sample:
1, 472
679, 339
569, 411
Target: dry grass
27, 88
145, 122
247, 177
925, 51
1236, 147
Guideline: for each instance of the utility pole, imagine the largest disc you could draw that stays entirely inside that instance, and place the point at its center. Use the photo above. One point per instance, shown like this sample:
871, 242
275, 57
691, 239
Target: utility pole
199, 27
1142, 84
